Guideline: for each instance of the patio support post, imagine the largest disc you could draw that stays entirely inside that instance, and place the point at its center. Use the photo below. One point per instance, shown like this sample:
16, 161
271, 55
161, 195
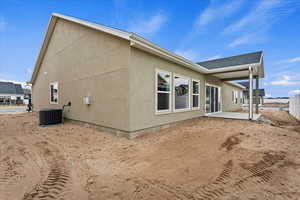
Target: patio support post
256, 94
250, 93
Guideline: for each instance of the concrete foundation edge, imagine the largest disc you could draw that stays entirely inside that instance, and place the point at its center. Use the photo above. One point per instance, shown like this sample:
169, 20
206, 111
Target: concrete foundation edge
127, 134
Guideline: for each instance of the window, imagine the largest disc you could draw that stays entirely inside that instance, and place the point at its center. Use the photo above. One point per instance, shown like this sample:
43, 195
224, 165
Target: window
241, 97
54, 93
181, 93
196, 92
163, 91
236, 97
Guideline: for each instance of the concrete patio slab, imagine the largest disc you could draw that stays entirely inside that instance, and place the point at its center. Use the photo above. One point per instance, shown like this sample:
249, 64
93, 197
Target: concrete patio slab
233, 115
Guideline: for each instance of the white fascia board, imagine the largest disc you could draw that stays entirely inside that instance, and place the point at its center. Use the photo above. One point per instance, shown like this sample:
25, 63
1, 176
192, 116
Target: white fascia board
236, 84
262, 67
43, 48
226, 69
139, 42
135, 41
106, 29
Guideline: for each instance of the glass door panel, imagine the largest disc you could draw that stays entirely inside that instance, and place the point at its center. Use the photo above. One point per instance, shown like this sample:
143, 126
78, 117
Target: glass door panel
212, 99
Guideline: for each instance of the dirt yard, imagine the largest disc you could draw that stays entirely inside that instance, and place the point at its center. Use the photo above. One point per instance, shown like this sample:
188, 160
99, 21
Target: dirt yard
203, 158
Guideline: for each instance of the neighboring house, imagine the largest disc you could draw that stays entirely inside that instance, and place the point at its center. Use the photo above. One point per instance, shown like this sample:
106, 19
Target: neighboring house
11, 93
123, 82
27, 96
261, 93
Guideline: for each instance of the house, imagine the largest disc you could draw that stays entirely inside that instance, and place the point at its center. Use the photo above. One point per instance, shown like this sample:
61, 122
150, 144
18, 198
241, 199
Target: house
260, 93
11, 93
27, 96
126, 84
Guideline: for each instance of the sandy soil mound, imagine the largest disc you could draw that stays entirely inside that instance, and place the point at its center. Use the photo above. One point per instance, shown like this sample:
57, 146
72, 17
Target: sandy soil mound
204, 158
280, 117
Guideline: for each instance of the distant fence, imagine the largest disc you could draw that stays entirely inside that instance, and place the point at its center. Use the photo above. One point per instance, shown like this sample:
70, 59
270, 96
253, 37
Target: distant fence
295, 106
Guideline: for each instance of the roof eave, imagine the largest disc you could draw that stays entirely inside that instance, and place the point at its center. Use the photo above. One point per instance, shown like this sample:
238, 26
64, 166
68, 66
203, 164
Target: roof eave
143, 44
48, 34
236, 84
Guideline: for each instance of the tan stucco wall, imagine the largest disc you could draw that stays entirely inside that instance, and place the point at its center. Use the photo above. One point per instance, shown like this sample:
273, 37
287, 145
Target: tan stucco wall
142, 91
119, 79
227, 103
86, 62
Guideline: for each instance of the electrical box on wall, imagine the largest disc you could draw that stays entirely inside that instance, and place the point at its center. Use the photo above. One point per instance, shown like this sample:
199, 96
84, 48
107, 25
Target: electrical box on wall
87, 100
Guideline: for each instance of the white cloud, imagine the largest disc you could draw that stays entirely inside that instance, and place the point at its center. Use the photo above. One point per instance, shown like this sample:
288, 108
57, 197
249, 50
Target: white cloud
245, 39
188, 54
253, 25
213, 57
266, 13
268, 95
217, 11
286, 80
2, 24
293, 92
148, 26
251, 38
29, 70
293, 60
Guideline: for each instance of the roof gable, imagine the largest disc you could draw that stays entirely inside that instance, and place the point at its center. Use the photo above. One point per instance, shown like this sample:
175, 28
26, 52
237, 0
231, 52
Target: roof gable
135, 41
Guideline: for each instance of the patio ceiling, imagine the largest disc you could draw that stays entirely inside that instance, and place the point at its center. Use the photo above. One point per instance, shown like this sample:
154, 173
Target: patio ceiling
236, 67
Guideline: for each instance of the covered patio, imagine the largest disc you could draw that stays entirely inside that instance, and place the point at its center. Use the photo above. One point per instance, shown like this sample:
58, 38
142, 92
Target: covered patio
242, 67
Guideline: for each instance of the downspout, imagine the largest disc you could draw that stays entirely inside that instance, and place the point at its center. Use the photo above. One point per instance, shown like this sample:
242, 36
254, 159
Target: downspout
250, 93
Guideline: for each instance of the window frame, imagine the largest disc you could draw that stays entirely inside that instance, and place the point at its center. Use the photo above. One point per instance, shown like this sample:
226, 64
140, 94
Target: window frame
189, 95
159, 112
54, 83
192, 94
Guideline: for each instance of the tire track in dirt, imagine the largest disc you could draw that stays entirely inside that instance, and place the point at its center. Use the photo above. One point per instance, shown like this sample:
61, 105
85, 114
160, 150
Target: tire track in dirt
8, 180
259, 173
55, 185
215, 189
10, 169
211, 191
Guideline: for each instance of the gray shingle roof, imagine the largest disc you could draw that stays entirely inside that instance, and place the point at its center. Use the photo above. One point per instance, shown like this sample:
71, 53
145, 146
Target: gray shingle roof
10, 88
243, 59
261, 92
244, 83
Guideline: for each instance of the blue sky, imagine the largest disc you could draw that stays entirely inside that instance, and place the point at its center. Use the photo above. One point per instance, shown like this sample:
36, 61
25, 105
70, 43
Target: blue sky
198, 30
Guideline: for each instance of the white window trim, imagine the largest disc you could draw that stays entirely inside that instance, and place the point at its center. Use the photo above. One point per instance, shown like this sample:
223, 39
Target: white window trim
189, 95
233, 93
241, 97
53, 83
192, 94
220, 98
159, 112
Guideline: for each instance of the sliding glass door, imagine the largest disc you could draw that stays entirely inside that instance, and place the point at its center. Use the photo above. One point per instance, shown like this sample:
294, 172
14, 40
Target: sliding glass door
212, 99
